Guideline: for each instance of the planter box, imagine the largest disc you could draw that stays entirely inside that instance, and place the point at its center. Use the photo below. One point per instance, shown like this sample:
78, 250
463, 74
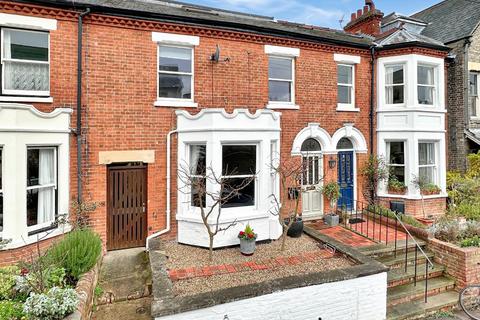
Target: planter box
332, 220
400, 192
426, 221
86, 290
430, 193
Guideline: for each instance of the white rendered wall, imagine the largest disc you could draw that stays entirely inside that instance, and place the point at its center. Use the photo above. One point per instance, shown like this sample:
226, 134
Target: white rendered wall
357, 299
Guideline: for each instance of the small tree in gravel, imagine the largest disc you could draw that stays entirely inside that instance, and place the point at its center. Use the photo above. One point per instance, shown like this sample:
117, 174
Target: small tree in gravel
286, 205
210, 202
375, 171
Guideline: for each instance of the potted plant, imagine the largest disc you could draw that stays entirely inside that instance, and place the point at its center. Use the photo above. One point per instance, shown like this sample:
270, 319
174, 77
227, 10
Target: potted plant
430, 189
247, 241
426, 188
332, 192
296, 228
395, 186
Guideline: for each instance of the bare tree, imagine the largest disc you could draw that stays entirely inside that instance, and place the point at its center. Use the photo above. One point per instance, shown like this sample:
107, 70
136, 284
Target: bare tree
286, 205
210, 201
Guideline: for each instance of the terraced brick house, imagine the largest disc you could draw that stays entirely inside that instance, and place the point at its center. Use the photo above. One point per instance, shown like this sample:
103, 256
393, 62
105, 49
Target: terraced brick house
104, 101
456, 23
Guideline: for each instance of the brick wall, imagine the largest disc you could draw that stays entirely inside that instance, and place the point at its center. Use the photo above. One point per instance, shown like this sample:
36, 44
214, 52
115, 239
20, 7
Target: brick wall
432, 207
362, 298
463, 264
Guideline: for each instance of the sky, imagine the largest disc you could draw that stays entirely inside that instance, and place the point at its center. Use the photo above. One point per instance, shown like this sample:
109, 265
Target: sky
325, 13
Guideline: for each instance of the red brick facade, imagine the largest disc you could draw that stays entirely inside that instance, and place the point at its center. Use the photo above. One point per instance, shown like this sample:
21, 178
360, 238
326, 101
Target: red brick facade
120, 87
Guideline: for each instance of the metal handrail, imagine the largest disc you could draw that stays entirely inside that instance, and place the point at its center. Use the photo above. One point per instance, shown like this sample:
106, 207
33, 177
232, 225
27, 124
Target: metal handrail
360, 207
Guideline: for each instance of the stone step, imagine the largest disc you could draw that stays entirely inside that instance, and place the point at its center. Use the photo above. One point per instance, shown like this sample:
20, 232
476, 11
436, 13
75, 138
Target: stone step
381, 250
409, 292
399, 261
398, 277
419, 309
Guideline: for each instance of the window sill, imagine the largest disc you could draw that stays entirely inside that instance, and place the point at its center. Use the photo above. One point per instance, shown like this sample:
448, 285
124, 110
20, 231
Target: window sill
284, 106
26, 99
347, 109
175, 104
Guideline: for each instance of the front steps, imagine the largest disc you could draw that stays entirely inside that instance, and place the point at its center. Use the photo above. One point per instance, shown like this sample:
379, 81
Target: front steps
404, 299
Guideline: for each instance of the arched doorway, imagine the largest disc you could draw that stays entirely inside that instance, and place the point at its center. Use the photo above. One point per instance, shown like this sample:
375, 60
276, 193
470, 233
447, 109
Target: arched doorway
312, 204
346, 174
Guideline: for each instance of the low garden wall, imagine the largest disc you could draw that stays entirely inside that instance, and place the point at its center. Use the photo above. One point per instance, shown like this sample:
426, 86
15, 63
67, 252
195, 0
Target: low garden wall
356, 292
463, 264
86, 290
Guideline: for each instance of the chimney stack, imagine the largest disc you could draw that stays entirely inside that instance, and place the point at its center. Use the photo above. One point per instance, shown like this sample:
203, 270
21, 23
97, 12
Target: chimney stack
366, 21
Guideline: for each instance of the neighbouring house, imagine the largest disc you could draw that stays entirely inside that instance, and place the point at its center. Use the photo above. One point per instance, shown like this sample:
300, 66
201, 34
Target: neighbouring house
456, 24
166, 84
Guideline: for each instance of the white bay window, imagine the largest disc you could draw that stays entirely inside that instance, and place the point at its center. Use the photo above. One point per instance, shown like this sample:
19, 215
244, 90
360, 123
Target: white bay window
198, 168
25, 62
426, 84
427, 166
395, 84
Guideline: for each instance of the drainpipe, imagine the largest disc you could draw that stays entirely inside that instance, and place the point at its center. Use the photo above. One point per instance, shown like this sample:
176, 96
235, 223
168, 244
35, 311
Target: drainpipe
372, 99
466, 83
79, 104
167, 198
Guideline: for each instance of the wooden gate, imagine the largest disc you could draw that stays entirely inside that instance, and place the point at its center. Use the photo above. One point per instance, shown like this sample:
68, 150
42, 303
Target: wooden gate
126, 206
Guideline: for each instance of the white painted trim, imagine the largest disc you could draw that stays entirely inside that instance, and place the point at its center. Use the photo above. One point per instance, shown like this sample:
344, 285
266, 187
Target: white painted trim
26, 99
177, 103
27, 22
282, 51
282, 105
345, 58
346, 108
349, 131
176, 39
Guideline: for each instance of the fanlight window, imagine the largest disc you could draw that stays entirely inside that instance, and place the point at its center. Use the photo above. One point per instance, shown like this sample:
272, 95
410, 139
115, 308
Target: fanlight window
311, 145
344, 144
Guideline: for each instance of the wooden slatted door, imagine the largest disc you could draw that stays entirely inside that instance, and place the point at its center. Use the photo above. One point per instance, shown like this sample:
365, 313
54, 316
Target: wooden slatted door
126, 207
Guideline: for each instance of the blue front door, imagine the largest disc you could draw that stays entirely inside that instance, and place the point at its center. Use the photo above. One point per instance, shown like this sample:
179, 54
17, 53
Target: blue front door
345, 180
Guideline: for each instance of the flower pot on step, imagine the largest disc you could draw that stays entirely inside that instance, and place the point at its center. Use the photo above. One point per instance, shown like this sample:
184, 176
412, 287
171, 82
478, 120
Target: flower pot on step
247, 247
332, 219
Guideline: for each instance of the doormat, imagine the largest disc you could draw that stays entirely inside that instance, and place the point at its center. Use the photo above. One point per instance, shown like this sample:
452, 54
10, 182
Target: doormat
356, 220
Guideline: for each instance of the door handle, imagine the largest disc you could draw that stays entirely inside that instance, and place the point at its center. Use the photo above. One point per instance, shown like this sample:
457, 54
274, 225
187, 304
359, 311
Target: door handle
144, 208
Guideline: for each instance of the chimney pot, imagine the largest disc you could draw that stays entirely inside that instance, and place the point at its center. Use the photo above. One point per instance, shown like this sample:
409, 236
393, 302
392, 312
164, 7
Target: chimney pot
359, 13
353, 17
365, 9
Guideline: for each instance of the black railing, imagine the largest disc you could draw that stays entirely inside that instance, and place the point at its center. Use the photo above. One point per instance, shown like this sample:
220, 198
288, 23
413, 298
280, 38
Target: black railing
368, 221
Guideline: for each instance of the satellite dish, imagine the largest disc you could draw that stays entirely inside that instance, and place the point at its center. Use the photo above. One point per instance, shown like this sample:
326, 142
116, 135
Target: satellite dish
216, 56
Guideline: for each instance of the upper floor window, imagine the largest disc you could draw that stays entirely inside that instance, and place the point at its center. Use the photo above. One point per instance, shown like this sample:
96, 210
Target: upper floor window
426, 84
427, 162
346, 88
395, 84
41, 186
175, 72
473, 92
281, 79
25, 62
396, 159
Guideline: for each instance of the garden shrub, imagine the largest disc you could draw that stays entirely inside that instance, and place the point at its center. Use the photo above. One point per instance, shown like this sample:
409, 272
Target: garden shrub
53, 305
7, 281
389, 213
77, 253
11, 310
470, 242
30, 282
446, 229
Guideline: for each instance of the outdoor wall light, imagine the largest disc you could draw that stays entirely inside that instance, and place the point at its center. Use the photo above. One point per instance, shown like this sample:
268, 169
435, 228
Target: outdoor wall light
332, 163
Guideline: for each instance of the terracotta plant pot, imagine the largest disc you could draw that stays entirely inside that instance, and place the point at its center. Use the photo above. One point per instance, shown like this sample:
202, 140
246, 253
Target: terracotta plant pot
426, 221
397, 191
247, 247
430, 193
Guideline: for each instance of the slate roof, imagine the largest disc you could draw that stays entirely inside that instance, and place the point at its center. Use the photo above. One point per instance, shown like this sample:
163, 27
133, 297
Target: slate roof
394, 16
451, 20
201, 15
403, 36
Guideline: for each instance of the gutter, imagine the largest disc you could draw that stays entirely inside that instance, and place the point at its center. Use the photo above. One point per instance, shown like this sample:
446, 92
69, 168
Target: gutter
79, 103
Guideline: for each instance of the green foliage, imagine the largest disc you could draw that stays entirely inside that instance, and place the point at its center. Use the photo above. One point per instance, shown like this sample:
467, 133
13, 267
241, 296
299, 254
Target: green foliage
77, 252
374, 171
473, 165
7, 281
464, 194
11, 310
450, 229
53, 305
247, 234
394, 184
98, 291
331, 191
378, 209
470, 211
470, 242
431, 188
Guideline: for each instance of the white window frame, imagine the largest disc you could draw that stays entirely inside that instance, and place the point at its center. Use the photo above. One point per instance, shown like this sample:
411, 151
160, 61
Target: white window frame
254, 176
3, 60
434, 165
404, 165
189, 155
387, 85
434, 86
176, 101
474, 98
347, 106
53, 185
291, 81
